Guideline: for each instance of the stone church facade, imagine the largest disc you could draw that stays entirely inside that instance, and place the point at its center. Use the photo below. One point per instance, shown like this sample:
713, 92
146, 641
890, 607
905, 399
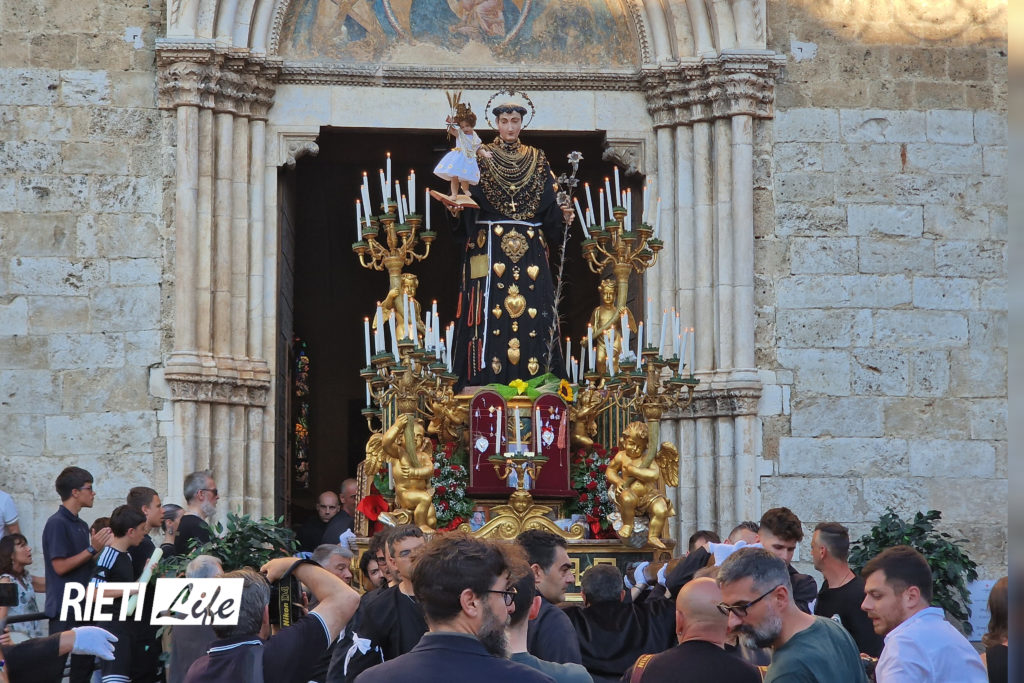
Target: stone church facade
833, 175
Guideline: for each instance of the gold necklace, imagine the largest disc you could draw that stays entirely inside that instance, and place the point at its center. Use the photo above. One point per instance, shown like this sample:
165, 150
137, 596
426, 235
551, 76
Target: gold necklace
511, 181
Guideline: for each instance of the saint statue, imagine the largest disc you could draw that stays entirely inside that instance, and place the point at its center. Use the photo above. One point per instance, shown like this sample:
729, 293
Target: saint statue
506, 315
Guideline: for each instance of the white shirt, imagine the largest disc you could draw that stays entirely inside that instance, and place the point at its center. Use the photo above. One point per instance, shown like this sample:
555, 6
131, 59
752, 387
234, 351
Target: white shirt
926, 648
8, 513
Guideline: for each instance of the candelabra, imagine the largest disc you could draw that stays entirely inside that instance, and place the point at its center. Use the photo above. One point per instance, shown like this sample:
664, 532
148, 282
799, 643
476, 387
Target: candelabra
400, 243
626, 250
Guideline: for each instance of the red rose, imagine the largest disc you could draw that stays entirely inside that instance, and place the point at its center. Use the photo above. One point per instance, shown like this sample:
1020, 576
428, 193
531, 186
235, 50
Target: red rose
590, 461
591, 485
443, 504
603, 467
437, 472
593, 474
584, 498
456, 468
441, 490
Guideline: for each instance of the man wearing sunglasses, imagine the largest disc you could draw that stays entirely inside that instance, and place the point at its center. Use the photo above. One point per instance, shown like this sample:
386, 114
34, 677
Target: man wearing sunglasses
757, 598
201, 498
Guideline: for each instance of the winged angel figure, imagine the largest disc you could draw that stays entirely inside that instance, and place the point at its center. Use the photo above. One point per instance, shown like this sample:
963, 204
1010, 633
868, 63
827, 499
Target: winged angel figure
411, 472
634, 479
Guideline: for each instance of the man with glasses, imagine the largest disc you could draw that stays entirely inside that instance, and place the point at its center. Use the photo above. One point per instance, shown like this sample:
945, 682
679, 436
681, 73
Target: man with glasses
466, 589
201, 497
757, 598
311, 533
68, 552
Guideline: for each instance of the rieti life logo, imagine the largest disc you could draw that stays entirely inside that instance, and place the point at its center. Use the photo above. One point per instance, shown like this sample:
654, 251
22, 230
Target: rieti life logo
209, 602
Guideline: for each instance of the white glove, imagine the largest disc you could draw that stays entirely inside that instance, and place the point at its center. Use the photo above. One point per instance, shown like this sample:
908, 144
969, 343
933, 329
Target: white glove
92, 640
347, 539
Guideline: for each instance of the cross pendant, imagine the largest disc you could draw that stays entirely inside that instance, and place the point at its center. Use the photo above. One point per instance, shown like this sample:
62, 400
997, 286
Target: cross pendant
513, 205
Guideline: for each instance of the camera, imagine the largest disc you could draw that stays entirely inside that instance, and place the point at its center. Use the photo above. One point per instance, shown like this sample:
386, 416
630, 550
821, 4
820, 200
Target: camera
285, 601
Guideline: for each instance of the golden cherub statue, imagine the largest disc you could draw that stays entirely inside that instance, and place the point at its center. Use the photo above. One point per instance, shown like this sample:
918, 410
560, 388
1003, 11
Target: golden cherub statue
411, 472
589, 405
395, 301
633, 477
606, 317
448, 419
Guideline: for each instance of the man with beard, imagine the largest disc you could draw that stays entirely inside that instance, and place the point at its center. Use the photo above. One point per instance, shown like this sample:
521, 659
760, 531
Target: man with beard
465, 588
201, 497
757, 597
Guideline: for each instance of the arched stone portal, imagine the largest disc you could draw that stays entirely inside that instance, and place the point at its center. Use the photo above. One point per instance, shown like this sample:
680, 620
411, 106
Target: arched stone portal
684, 114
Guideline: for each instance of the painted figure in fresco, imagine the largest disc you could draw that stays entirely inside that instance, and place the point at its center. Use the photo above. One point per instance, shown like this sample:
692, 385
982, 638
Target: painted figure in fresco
633, 482
459, 165
411, 474
480, 18
607, 317
395, 301
505, 313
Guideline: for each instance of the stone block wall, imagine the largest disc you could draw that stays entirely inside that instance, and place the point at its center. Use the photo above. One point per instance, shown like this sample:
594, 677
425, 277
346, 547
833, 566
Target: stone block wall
881, 239
86, 264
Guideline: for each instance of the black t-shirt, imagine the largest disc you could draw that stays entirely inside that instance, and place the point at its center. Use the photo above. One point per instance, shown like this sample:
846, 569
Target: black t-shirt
844, 602
141, 553
190, 526
65, 535
697, 660
112, 565
288, 657
334, 528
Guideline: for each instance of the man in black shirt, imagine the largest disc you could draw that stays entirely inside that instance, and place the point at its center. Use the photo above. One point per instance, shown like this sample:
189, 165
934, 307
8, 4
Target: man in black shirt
311, 532
550, 636
242, 656
201, 498
779, 533
346, 518
146, 664
701, 631
842, 591
68, 550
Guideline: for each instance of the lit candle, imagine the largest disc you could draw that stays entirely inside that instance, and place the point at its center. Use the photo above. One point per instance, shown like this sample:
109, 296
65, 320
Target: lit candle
675, 331
624, 326
518, 442
579, 212
378, 333
618, 192
664, 326
590, 201
388, 166
412, 191
608, 196
428, 332
394, 336
693, 344
536, 439
498, 429
366, 339
608, 351
590, 346
383, 187
405, 206
359, 220
426, 206
365, 191
629, 209
600, 202
683, 354
643, 215
398, 200
639, 343
568, 348
449, 331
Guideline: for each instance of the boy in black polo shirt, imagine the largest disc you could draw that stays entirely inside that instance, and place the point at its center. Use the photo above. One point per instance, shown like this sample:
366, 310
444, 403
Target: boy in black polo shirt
68, 550
114, 564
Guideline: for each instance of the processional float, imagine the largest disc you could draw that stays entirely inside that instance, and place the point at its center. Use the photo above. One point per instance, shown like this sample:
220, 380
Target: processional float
532, 450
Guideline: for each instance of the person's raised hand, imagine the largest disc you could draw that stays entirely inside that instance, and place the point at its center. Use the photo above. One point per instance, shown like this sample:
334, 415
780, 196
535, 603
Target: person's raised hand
92, 640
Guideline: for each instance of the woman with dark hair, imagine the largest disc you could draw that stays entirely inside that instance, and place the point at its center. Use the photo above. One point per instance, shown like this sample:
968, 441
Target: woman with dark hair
15, 557
997, 636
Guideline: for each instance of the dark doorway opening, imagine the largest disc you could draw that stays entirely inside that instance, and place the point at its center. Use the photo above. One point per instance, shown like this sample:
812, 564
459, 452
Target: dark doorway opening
331, 293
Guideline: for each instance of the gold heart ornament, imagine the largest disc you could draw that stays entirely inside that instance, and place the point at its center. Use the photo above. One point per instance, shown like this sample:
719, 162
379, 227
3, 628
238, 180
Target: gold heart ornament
515, 303
530, 233
533, 366
498, 230
496, 311
533, 272
499, 269
513, 352
532, 312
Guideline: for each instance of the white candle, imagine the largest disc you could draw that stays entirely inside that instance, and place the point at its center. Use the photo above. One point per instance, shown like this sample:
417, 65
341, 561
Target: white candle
600, 202
608, 350
498, 429
643, 214
629, 209
449, 331
426, 206
675, 331
683, 354
365, 191
388, 166
657, 218
618, 192
579, 213
398, 200
428, 332
590, 201
568, 348
359, 220
518, 442
394, 336
639, 343
412, 191
608, 197
405, 206
383, 186
366, 339
367, 395
624, 327
693, 344
536, 439
590, 345
664, 326
378, 333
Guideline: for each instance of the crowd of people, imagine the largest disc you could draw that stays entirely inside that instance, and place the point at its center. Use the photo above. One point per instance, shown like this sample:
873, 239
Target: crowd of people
432, 607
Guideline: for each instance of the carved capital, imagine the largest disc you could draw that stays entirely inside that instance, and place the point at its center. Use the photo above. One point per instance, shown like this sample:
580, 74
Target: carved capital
720, 403
186, 77
228, 81
625, 152
732, 83
294, 145
216, 389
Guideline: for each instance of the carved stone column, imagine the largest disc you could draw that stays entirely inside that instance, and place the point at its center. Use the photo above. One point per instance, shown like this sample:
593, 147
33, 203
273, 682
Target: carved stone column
218, 371
708, 107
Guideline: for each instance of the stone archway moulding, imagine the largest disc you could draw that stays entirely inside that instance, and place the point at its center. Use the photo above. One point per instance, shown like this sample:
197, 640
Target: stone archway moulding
706, 80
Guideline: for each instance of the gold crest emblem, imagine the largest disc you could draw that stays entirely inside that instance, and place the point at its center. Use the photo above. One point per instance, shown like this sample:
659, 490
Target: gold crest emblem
515, 245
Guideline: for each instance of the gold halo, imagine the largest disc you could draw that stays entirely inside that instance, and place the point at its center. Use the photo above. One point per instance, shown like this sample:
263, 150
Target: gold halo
513, 97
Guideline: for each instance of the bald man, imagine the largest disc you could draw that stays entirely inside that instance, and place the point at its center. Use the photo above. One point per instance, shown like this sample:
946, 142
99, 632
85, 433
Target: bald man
310, 534
699, 656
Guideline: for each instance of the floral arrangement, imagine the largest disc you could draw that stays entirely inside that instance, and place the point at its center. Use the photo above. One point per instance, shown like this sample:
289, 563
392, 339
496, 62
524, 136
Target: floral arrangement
587, 474
451, 476
300, 428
